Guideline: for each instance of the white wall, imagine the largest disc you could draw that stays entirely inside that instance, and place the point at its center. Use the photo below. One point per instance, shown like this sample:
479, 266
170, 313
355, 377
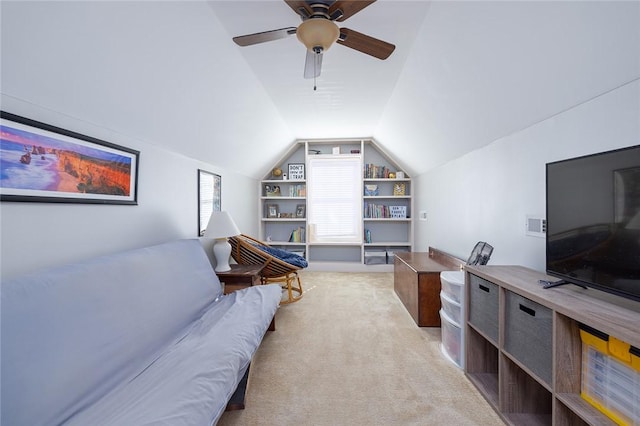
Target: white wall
486, 194
36, 235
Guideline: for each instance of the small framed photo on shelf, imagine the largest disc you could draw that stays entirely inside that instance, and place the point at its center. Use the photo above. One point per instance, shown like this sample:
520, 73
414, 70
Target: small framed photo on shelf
272, 211
399, 189
296, 171
301, 210
371, 190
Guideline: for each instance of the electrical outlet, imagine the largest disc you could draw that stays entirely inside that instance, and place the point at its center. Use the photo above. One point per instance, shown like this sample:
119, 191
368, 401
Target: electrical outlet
423, 215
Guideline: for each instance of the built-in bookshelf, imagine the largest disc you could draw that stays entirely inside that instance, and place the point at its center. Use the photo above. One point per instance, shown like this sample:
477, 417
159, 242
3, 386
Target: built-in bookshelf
387, 206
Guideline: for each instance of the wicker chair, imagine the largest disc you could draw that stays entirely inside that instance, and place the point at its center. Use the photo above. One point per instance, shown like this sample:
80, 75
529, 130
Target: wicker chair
245, 252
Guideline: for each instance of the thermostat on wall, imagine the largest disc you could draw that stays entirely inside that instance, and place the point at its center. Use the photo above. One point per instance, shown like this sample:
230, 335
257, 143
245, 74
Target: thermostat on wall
536, 226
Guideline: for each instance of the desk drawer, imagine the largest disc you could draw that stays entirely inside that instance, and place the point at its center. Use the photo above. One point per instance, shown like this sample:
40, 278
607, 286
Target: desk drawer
528, 334
483, 306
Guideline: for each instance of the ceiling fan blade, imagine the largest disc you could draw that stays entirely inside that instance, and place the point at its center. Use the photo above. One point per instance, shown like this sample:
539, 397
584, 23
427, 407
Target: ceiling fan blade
365, 44
348, 8
312, 64
300, 8
249, 39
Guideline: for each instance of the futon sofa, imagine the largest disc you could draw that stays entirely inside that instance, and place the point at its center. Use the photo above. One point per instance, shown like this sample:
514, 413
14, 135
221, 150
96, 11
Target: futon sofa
136, 338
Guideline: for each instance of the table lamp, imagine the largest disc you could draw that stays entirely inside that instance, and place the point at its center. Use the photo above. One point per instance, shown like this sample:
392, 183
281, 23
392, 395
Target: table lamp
220, 227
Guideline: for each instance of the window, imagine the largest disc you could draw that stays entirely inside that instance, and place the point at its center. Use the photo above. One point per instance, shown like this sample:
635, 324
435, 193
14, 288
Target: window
209, 199
334, 199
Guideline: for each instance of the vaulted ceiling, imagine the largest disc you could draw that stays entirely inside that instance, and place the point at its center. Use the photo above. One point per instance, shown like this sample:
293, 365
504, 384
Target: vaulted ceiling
464, 73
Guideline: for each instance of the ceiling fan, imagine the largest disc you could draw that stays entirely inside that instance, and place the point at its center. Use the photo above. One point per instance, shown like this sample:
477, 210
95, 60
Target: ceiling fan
318, 32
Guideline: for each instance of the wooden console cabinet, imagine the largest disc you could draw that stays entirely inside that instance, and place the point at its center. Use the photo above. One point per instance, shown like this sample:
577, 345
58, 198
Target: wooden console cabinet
416, 281
523, 348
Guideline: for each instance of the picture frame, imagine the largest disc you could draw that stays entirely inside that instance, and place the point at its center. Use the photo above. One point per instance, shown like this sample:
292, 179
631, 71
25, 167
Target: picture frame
296, 171
44, 163
399, 189
398, 212
301, 210
272, 211
209, 198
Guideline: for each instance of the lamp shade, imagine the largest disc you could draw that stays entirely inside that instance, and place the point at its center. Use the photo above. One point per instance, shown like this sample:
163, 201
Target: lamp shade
317, 32
221, 226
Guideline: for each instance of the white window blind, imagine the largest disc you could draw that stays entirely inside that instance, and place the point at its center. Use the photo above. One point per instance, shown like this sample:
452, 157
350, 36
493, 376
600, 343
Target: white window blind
334, 200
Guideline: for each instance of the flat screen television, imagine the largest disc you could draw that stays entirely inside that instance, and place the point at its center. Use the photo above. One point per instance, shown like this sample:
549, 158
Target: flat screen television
593, 221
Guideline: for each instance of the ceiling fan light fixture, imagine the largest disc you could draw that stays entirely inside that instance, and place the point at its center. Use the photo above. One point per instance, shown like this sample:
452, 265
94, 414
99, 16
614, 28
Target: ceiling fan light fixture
318, 32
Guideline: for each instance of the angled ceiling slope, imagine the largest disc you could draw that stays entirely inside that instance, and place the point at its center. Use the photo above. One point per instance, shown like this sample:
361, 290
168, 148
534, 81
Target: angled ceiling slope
352, 89
464, 74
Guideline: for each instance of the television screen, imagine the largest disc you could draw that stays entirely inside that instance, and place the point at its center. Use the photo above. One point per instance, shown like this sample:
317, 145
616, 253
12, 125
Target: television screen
593, 221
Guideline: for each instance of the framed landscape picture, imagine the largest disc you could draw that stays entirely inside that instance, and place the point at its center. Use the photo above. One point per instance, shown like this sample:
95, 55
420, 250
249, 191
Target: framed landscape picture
43, 163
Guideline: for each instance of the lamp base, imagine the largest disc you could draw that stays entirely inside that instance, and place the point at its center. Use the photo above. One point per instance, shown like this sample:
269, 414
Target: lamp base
222, 251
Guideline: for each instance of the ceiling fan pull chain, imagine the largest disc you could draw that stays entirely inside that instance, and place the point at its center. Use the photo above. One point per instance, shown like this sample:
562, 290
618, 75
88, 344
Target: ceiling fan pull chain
317, 51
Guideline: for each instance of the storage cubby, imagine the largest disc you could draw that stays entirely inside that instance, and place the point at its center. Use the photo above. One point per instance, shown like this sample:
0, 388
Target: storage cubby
335, 253
530, 372
481, 364
389, 221
529, 402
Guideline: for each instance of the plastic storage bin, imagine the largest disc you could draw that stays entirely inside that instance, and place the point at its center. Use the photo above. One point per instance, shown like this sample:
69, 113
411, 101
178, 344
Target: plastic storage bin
452, 341
451, 308
610, 377
452, 284
452, 316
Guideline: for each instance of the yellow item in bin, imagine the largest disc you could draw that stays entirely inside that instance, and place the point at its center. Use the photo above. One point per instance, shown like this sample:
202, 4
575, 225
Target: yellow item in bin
589, 339
635, 358
619, 349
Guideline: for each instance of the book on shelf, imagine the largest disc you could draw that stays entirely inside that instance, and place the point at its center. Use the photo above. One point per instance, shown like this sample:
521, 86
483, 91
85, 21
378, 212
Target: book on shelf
373, 171
297, 235
376, 211
297, 191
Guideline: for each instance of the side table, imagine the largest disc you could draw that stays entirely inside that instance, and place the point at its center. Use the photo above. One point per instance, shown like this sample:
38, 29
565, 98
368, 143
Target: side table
239, 277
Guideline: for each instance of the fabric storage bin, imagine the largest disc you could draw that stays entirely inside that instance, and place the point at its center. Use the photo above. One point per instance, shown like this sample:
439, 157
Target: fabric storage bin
483, 306
375, 257
452, 342
452, 284
528, 334
392, 253
452, 309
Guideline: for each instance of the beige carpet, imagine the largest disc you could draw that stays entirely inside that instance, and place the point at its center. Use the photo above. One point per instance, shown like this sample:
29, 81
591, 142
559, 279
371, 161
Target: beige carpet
348, 353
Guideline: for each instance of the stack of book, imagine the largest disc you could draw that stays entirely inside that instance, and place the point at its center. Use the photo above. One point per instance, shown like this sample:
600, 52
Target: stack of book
297, 235
297, 191
372, 171
375, 211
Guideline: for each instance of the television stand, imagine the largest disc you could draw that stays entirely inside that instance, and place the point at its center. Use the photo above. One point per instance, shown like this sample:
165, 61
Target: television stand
528, 367
550, 284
